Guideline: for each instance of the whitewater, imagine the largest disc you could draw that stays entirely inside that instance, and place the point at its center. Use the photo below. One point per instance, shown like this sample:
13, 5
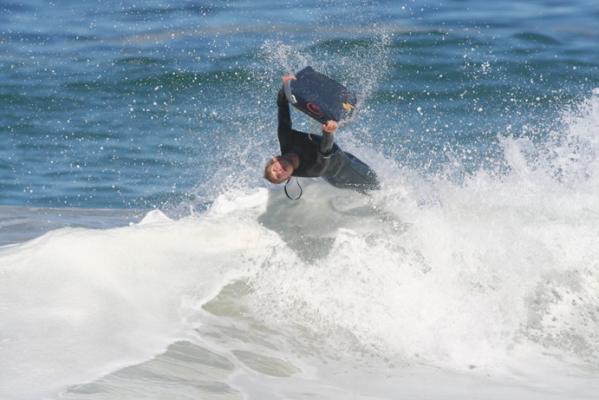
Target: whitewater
430, 288
143, 256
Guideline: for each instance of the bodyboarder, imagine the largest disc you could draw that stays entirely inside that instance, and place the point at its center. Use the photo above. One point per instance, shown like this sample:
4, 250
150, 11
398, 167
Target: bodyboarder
307, 155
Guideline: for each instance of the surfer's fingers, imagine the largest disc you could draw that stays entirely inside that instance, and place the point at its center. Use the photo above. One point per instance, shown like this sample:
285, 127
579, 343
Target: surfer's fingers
288, 77
330, 126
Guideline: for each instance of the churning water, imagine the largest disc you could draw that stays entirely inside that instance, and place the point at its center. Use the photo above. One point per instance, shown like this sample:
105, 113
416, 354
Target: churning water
145, 257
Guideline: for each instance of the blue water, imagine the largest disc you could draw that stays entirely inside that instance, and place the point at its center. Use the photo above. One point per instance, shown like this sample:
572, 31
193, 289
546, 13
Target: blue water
127, 104
142, 254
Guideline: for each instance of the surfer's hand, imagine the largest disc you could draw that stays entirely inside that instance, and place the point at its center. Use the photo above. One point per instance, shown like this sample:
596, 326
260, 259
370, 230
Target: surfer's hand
288, 77
330, 126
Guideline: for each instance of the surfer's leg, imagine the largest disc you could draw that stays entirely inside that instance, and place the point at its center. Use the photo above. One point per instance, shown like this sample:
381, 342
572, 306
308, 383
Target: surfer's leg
354, 174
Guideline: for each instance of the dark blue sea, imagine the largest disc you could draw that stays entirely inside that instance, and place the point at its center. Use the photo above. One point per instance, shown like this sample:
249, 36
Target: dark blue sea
125, 104
143, 255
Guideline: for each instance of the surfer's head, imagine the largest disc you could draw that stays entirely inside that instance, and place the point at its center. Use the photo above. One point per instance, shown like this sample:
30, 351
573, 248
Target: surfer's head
278, 169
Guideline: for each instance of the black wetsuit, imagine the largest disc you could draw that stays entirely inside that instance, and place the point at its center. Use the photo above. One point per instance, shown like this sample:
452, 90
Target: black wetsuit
319, 156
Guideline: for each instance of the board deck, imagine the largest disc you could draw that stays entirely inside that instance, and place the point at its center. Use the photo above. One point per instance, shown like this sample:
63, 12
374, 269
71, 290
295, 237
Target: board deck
320, 97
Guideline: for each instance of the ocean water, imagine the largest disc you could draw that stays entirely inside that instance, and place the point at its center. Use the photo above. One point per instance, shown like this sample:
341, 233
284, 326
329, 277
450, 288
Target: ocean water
142, 254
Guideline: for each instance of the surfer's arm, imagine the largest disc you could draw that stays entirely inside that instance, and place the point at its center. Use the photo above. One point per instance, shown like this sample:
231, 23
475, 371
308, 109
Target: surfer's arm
327, 141
284, 131
325, 149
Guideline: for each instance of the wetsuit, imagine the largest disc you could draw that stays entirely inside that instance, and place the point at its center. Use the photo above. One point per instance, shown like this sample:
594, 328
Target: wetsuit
319, 156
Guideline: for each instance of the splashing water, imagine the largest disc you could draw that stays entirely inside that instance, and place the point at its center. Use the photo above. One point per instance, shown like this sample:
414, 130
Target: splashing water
474, 267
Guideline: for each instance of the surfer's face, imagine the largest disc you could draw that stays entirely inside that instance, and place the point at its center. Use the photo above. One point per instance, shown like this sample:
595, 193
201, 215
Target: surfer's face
278, 170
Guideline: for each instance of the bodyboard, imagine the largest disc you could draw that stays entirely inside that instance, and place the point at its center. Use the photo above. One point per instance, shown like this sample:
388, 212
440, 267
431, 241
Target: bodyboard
320, 97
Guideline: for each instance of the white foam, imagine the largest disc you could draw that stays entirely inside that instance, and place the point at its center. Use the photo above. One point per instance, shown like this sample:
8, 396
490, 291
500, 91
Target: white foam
78, 303
155, 217
462, 276
484, 267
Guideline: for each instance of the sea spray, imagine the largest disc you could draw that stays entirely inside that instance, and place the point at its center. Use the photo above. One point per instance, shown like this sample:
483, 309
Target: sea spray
497, 262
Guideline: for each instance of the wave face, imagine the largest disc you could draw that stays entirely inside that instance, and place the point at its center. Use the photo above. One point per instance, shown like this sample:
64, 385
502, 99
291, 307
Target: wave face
78, 303
494, 277
474, 267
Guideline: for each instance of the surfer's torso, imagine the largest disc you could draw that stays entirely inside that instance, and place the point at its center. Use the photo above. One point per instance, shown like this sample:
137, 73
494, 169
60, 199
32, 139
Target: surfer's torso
312, 163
